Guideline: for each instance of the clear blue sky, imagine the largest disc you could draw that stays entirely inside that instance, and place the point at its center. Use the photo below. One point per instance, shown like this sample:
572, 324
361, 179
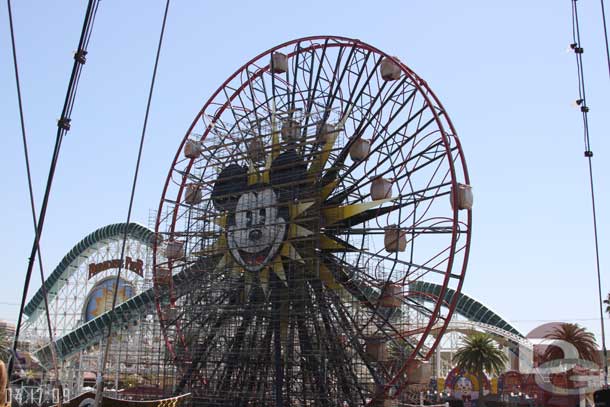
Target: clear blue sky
500, 69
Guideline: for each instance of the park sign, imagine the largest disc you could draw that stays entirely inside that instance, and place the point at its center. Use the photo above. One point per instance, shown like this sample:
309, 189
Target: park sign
137, 266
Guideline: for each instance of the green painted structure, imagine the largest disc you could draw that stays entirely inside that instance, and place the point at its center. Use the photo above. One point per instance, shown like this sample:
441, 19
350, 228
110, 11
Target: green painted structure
132, 309
466, 306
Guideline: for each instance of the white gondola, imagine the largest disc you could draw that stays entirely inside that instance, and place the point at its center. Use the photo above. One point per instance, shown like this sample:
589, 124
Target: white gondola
390, 70
391, 296
174, 250
192, 149
290, 131
376, 348
360, 149
419, 372
279, 62
464, 198
394, 239
324, 132
193, 194
381, 188
256, 150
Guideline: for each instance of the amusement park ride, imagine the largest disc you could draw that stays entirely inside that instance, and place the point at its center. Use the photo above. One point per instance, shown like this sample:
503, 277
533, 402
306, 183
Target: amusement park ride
309, 249
314, 201
315, 186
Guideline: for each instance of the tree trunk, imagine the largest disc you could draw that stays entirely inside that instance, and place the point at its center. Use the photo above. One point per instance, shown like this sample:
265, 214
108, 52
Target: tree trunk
480, 402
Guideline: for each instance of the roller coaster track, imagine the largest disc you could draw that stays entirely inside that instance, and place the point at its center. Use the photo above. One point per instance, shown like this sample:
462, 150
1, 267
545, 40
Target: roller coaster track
78, 255
466, 306
480, 318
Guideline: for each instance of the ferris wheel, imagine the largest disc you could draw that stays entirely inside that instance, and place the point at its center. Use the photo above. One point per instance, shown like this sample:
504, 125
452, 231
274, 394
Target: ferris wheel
317, 184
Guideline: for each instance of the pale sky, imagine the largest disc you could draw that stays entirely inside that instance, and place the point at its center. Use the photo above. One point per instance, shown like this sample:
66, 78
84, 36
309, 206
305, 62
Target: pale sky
500, 68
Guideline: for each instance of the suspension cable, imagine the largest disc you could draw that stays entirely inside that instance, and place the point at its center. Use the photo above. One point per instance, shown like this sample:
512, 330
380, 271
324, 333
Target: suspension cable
32, 204
605, 35
100, 376
63, 126
584, 108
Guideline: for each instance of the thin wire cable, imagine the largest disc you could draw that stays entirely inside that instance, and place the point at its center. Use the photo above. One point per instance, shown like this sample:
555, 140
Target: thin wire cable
605, 35
32, 203
100, 377
63, 126
584, 108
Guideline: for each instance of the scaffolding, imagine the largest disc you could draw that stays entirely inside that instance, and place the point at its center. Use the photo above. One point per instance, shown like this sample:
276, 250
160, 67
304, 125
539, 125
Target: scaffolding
315, 187
308, 195
80, 302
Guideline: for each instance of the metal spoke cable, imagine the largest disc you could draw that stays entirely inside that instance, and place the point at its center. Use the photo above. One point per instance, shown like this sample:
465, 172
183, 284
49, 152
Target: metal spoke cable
63, 126
100, 377
32, 203
584, 108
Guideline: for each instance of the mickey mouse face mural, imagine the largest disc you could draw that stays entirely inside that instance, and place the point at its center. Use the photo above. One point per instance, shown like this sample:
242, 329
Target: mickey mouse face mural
258, 231
256, 226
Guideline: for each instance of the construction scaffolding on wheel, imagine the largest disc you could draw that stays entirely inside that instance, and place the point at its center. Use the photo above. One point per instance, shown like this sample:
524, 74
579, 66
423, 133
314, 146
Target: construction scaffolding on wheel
315, 186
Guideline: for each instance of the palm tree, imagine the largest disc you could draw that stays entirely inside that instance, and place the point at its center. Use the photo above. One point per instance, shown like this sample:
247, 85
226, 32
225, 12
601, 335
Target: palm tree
478, 355
607, 302
579, 337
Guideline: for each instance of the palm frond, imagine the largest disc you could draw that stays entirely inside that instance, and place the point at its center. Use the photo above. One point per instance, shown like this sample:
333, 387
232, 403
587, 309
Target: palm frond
583, 340
480, 354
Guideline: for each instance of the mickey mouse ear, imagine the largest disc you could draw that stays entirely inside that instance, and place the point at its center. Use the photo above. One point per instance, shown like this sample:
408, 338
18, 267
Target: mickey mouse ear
288, 174
231, 181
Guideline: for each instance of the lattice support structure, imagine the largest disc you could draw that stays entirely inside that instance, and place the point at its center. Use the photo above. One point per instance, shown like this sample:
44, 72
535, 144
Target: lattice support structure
318, 183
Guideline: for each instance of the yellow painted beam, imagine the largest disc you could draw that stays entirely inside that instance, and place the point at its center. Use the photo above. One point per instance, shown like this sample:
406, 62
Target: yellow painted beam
295, 230
328, 189
327, 243
319, 161
328, 278
289, 251
335, 214
297, 209
278, 269
264, 279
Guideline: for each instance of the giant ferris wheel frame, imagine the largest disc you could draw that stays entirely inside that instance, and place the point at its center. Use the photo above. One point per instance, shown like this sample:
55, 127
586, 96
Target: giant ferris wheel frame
228, 95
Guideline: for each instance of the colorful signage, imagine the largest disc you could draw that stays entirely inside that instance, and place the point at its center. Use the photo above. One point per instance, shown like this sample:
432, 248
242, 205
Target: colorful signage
101, 296
137, 266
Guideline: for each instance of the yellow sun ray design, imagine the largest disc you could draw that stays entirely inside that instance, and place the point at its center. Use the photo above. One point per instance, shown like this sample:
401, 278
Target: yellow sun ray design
297, 209
328, 189
295, 230
335, 214
327, 278
220, 221
263, 276
319, 161
254, 177
289, 251
278, 269
326, 243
